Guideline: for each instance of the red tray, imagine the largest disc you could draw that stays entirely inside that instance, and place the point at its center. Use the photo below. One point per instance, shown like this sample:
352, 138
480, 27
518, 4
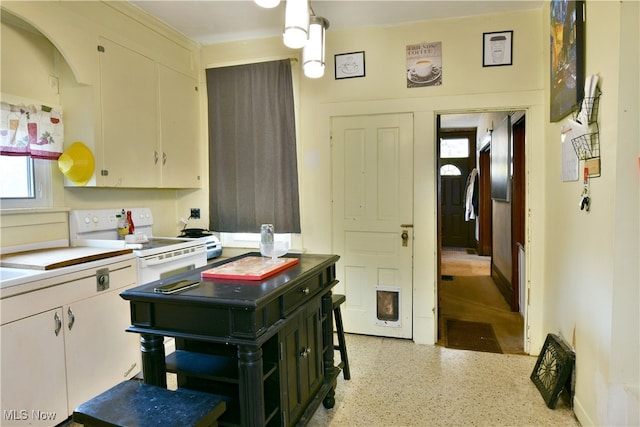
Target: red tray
250, 268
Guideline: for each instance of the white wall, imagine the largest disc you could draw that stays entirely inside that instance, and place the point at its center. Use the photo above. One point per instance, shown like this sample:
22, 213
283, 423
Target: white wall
591, 278
467, 86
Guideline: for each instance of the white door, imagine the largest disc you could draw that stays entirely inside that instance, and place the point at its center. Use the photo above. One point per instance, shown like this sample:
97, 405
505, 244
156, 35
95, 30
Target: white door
372, 162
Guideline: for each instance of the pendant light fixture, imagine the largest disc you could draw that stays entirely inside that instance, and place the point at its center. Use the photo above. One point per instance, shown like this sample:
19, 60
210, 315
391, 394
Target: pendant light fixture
296, 23
267, 4
313, 51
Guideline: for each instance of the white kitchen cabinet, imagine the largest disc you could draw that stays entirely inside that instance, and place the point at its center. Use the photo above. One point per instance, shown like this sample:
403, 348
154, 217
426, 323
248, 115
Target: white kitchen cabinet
129, 104
99, 353
150, 122
179, 129
33, 371
46, 375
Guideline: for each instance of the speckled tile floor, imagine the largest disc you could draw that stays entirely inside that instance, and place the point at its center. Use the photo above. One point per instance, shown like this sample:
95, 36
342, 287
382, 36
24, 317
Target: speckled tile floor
399, 383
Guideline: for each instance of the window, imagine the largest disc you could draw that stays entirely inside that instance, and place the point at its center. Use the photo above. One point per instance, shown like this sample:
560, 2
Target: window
16, 177
454, 148
24, 182
451, 170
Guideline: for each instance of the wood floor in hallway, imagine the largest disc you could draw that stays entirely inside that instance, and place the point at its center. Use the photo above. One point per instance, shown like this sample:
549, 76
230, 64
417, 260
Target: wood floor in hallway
471, 294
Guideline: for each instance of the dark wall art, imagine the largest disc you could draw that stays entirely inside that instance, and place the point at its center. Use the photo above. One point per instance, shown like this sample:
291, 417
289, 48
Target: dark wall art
567, 56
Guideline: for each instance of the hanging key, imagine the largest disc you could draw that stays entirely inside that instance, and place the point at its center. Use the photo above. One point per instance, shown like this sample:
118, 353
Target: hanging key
586, 201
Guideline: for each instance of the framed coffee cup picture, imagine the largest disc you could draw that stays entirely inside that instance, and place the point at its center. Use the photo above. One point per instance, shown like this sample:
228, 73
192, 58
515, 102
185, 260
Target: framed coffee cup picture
497, 49
424, 64
349, 65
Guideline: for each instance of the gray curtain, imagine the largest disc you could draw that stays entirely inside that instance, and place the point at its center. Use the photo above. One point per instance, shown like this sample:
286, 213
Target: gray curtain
253, 174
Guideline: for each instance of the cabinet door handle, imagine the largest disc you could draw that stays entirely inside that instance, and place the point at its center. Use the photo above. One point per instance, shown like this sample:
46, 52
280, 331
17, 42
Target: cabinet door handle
305, 352
164, 158
155, 157
72, 318
305, 290
56, 319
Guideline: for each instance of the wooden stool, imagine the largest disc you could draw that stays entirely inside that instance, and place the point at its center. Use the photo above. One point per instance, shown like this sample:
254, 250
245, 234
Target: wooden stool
337, 300
135, 404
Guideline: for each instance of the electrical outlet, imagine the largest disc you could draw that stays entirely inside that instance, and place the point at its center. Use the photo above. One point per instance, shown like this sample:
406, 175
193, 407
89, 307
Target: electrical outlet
195, 213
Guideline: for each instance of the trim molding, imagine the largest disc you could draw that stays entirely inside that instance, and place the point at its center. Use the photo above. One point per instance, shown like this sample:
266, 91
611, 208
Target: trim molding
504, 286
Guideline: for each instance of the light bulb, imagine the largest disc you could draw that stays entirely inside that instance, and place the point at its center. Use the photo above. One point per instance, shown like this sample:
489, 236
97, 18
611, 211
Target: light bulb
296, 23
313, 52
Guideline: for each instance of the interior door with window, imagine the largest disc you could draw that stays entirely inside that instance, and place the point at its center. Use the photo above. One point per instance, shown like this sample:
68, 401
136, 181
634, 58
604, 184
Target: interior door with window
372, 162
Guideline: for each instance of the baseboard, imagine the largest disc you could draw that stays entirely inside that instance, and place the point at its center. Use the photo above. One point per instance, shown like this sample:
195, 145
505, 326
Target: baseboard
504, 285
581, 414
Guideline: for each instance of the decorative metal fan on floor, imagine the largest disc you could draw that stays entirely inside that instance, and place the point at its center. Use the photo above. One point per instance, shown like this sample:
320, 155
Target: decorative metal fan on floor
553, 369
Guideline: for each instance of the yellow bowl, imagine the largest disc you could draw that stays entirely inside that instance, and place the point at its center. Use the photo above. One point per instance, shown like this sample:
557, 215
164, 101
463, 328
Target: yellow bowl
77, 163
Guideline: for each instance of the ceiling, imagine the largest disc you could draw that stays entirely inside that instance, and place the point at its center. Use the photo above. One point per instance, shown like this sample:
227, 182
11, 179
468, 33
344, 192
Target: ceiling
216, 21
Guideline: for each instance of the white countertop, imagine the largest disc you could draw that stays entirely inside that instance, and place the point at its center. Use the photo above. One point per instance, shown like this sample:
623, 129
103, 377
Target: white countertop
13, 277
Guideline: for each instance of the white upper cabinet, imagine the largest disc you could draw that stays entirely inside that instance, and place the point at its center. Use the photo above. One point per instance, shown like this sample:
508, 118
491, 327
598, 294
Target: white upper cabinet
129, 105
179, 129
150, 123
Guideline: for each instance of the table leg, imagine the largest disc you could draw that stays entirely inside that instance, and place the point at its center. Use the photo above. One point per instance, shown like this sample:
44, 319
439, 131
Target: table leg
153, 364
251, 385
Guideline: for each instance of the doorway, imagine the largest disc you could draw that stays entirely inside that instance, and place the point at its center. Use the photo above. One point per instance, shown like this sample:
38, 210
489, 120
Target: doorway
467, 288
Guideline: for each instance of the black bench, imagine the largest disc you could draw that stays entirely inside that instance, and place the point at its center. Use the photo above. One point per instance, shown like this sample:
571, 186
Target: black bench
135, 404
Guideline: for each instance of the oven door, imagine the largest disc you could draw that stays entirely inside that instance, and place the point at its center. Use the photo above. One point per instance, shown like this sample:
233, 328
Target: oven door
170, 263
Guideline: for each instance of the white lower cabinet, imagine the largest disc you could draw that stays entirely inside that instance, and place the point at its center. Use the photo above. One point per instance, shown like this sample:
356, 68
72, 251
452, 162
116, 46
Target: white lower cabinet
54, 360
99, 353
34, 390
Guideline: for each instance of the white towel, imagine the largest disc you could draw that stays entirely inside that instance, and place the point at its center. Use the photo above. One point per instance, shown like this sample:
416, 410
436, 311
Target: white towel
469, 211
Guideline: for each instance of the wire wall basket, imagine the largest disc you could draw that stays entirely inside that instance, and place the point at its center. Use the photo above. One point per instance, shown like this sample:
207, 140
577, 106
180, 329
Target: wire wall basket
587, 146
589, 106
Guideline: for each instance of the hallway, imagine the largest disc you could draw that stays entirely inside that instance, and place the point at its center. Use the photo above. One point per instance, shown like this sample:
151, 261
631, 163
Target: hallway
467, 292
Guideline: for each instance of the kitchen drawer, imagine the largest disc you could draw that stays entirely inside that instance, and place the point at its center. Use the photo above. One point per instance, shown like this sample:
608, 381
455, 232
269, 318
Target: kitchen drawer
301, 293
45, 294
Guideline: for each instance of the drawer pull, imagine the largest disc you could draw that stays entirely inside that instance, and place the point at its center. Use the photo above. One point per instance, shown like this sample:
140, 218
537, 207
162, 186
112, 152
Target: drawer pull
305, 290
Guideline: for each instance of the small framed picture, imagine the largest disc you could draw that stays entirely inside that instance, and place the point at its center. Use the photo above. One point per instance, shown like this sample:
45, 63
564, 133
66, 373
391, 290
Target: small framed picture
349, 65
497, 49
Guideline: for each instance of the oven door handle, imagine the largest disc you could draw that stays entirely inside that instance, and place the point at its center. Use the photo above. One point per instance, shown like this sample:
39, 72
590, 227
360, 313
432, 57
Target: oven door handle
159, 259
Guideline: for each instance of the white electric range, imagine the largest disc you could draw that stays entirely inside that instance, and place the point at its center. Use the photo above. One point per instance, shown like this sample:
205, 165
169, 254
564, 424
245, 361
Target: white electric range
158, 257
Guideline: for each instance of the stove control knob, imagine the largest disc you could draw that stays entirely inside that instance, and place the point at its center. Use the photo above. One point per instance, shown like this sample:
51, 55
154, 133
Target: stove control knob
95, 220
87, 220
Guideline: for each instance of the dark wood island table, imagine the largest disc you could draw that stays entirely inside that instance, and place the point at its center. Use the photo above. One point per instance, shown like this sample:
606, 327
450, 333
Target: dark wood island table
265, 346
